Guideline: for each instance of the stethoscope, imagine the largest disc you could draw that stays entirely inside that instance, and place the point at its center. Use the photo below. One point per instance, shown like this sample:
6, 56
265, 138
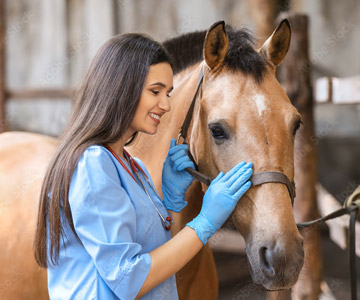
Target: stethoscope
135, 168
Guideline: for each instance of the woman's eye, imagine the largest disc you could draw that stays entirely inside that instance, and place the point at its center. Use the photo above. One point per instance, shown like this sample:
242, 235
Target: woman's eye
155, 92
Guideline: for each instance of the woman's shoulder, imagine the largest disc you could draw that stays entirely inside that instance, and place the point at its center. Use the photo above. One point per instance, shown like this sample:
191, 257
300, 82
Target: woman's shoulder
96, 156
96, 152
95, 168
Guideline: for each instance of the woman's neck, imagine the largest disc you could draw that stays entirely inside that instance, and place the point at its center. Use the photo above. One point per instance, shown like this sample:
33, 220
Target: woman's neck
119, 145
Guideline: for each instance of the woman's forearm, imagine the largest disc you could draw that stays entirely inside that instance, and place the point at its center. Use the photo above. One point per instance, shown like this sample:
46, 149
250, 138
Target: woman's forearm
169, 258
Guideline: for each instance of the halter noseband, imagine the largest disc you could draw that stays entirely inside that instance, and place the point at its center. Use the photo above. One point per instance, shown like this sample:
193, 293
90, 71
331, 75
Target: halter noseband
256, 179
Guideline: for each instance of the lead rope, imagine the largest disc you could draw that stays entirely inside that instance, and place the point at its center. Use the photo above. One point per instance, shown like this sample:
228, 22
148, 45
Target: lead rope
352, 206
352, 256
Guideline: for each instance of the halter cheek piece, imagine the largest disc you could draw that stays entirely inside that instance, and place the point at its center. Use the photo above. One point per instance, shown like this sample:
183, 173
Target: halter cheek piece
256, 179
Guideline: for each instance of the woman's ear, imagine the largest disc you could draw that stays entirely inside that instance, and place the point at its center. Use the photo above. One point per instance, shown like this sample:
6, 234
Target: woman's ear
277, 45
216, 45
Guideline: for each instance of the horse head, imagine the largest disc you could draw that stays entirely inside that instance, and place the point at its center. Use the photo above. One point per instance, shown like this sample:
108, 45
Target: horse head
243, 114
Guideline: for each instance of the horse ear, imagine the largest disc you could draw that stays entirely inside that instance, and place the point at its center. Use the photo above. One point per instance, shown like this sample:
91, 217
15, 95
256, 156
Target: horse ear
277, 45
216, 45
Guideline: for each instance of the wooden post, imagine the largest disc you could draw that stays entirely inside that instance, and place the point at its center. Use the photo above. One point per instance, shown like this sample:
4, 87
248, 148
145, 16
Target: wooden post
295, 76
3, 125
264, 13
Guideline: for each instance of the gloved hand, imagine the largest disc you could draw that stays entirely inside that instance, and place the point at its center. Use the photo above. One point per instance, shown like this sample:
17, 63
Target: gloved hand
175, 180
220, 200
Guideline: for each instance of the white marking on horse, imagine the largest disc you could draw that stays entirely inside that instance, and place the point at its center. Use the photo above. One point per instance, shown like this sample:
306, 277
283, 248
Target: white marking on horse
260, 103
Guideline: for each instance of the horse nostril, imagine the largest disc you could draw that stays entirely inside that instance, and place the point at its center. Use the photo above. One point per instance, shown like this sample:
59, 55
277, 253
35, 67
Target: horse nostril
265, 261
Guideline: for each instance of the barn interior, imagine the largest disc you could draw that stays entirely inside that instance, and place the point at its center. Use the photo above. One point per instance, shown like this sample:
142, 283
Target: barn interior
46, 48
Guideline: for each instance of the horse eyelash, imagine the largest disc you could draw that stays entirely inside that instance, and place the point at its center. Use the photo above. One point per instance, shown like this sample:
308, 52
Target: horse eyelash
297, 126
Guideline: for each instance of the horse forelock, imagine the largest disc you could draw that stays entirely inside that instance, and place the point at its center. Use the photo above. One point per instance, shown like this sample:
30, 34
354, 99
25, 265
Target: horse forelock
187, 50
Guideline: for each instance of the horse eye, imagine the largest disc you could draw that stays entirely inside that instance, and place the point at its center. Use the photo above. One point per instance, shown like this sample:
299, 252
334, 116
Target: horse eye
297, 126
218, 132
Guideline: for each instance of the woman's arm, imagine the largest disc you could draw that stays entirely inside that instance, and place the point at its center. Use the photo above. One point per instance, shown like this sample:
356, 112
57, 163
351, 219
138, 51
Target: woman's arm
219, 201
170, 257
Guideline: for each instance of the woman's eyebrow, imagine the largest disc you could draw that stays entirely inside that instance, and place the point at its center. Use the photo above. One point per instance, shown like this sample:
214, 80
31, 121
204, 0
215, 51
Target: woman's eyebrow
162, 85
159, 83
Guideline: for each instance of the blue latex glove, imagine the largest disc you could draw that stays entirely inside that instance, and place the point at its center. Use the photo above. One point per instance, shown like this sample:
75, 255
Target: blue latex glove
175, 180
220, 200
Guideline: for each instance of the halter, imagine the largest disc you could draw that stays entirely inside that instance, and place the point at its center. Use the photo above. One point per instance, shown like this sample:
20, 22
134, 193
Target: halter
256, 179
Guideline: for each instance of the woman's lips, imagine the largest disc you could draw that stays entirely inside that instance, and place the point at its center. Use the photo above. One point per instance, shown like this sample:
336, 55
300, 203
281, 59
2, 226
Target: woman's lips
155, 117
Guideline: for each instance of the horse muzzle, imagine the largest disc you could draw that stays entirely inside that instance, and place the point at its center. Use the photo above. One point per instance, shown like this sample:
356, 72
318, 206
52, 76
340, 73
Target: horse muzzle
274, 266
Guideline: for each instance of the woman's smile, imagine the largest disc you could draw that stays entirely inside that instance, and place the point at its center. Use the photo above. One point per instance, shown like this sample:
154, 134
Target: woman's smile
155, 117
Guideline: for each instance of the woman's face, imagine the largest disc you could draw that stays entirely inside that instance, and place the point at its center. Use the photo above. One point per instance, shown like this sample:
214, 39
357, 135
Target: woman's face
154, 101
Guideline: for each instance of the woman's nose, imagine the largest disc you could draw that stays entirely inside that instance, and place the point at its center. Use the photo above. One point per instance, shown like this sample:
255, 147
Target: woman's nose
165, 104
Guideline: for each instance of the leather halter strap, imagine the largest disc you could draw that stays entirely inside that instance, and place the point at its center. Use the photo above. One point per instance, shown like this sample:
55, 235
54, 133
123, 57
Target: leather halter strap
188, 118
256, 179
275, 177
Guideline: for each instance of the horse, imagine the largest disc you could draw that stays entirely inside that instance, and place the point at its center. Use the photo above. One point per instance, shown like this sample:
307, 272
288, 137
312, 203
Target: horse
241, 114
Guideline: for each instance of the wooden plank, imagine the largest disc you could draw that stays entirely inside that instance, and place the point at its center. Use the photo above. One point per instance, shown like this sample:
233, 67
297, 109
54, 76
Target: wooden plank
3, 124
339, 227
264, 13
40, 93
338, 90
295, 76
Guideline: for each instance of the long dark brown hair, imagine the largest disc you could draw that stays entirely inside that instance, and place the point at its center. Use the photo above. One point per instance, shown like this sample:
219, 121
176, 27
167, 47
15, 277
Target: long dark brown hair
104, 108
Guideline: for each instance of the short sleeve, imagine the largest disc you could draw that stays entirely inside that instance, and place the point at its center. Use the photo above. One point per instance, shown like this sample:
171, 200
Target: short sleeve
105, 221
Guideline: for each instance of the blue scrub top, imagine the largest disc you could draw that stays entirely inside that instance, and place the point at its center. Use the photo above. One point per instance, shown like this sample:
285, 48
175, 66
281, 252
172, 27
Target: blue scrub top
117, 225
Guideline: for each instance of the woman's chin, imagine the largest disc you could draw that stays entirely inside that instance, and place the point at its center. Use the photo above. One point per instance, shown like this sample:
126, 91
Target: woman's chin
151, 131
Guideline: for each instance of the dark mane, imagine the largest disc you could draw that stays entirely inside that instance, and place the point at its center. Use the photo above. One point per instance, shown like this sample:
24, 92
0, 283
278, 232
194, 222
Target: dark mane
186, 50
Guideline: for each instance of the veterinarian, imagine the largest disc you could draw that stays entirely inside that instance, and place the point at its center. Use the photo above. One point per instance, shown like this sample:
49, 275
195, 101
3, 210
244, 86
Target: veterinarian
103, 230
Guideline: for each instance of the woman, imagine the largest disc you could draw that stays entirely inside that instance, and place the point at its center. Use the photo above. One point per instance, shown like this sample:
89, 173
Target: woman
102, 229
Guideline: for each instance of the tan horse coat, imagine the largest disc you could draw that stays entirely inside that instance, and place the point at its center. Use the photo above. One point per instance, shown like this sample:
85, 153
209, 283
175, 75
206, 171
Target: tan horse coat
23, 161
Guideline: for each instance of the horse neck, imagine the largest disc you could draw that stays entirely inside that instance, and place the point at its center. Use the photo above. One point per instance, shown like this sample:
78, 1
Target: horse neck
153, 149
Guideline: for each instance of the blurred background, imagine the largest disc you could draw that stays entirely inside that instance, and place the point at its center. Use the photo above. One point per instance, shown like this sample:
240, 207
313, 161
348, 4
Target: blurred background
49, 44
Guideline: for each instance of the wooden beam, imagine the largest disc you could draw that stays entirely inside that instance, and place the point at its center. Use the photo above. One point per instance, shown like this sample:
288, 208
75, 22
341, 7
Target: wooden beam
338, 90
295, 76
40, 93
264, 13
3, 125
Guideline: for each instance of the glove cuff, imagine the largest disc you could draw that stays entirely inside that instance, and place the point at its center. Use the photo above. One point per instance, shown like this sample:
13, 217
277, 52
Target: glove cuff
203, 228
